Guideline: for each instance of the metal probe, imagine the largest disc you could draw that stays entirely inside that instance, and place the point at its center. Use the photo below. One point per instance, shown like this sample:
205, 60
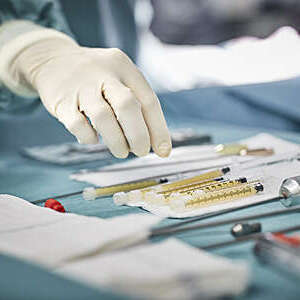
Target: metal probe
171, 229
247, 238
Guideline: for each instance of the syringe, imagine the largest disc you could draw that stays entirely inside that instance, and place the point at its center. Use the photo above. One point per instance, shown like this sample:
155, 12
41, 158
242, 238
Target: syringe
181, 202
196, 179
164, 197
91, 193
160, 196
208, 186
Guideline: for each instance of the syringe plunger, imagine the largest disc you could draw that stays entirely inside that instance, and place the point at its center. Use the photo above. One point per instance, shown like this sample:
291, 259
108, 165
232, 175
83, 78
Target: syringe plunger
89, 193
120, 198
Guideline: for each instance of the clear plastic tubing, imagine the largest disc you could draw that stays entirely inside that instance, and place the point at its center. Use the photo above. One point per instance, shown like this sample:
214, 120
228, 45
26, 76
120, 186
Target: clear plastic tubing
92, 193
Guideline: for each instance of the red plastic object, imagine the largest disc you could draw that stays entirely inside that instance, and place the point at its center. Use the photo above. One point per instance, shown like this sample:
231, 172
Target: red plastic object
55, 205
293, 241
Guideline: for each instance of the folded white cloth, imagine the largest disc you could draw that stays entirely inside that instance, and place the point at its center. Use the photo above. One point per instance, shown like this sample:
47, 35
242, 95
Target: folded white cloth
166, 270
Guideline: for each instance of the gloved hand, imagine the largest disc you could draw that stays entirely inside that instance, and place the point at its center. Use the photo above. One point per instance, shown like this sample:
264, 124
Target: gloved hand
95, 91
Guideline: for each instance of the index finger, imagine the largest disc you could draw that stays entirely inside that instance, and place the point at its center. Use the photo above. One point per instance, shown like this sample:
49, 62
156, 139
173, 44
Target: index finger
151, 109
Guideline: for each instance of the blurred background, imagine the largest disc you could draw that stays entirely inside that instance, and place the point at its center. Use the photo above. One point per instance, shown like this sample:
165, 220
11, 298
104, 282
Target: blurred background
195, 43
199, 43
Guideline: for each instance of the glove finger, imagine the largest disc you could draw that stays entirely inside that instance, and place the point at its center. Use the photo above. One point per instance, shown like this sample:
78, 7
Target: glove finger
129, 115
103, 120
153, 115
76, 122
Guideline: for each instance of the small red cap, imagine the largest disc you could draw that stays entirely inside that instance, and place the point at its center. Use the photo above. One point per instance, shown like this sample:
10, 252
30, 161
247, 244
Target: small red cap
55, 205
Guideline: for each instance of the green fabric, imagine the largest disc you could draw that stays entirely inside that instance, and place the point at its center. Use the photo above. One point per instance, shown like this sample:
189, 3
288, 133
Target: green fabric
46, 13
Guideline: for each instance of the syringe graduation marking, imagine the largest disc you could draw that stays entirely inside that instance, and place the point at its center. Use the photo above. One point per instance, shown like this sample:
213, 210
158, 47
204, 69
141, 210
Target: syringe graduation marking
202, 177
223, 195
209, 198
208, 186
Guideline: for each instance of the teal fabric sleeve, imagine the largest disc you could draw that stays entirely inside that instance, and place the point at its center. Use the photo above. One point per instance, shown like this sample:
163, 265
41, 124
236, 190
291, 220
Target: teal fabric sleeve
47, 13
103, 23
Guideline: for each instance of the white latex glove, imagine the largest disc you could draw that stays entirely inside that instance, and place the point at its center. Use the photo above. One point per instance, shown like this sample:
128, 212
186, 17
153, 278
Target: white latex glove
103, 85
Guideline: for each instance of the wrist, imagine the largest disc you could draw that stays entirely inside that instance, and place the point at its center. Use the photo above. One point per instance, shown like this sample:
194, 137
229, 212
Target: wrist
14, 70
31, 60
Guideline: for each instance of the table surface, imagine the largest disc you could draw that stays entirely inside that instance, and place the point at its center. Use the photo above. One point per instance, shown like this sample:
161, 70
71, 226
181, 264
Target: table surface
34, 180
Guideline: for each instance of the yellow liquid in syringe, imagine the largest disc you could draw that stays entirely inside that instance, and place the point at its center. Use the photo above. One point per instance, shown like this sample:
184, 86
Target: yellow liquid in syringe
182, 202
207, 186
195, 179
164, 197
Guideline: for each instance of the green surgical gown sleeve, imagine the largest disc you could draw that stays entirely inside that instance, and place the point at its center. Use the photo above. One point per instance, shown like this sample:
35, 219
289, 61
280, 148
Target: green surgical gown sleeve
47, 13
